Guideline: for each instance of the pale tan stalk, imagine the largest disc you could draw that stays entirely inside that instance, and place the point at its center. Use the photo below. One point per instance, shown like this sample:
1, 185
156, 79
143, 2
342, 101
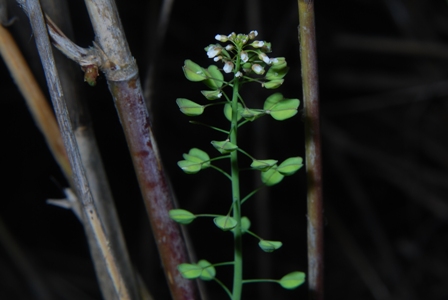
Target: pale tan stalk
80, 183
35, 99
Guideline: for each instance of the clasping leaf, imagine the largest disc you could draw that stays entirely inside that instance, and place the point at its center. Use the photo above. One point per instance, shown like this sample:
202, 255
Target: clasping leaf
225, 222
263, 165
208, 270
292, 280
224, 146
271, 177
290, 166
195, 161
269, 246
189, 107
182, 216
193, 71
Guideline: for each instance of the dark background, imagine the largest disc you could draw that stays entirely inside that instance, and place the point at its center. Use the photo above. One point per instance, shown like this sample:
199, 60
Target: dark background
383, 89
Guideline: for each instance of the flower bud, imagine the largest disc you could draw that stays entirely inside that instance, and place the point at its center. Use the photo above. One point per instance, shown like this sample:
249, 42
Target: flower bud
264, 58
257, 44
231, 36
228, 66
253, 34
244, 56
258, 69
213, 51
221, 38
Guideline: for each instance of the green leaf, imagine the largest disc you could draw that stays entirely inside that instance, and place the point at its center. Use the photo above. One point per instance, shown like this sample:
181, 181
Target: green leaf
228, 111
271, 177
285, 109
245, 224
225, 222
272, 101
212, 95
189, 271
276, 74
189, 167
273, 84
269, 246
278, 63
215, 79
224, 146
290, 165
193, 71
208, 270
263, 165
292, 280
189, 107
198, 156
182, 216
251, 114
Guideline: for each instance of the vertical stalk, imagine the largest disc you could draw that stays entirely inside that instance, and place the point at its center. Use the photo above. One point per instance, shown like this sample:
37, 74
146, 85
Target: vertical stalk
122, 77
238, 246
313, 161
80, 182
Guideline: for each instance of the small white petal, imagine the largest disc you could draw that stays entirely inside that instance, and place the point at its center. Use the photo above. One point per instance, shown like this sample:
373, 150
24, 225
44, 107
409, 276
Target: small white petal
213, 51
258, 44
264, 58
238, 74
257, 69
228, 67
244, 56
229, 47
217, 58
221, 38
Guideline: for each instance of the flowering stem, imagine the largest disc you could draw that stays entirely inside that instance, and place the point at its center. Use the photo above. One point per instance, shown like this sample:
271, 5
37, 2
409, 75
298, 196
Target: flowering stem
238, 247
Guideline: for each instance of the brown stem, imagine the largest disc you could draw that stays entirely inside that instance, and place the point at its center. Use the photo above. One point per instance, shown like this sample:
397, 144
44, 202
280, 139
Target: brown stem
122, 76
308, 59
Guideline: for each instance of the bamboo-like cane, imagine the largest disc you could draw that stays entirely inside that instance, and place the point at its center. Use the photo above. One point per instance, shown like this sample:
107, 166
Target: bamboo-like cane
122, 76
313, 158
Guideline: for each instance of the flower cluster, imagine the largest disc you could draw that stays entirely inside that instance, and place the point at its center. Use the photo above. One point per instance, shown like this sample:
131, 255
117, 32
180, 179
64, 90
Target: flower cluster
245, 55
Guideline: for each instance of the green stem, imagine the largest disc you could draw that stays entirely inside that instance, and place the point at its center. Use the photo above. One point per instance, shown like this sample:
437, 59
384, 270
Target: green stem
259, 280
238, 246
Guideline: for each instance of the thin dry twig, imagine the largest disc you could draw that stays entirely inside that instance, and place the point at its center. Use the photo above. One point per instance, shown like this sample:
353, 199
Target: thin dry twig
35, 99
80, 183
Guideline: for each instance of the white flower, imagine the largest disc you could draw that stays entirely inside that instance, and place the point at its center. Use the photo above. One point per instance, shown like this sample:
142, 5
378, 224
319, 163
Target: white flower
244, 56
257, 69
229, 47
253, 34
213, 51
217, 58
228, 66
231, 36
257, 44
238, 74
264, 58
221, 38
